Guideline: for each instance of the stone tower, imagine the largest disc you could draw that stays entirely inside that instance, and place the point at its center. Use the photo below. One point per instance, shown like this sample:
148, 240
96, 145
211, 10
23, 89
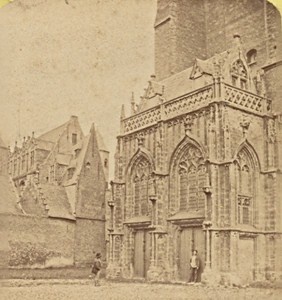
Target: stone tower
185, 29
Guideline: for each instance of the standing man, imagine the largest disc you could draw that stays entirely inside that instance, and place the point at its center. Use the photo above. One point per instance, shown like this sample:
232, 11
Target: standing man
96, 269
194, 266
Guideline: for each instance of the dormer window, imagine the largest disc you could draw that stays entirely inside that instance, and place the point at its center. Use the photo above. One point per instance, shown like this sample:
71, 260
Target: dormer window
239, 75
252, 57
74, 138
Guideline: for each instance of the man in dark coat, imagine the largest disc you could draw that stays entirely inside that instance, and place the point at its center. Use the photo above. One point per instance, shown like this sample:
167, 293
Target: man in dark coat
96, 269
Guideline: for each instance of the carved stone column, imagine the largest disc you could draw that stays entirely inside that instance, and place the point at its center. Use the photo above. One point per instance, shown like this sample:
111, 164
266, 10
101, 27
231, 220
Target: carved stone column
206, 226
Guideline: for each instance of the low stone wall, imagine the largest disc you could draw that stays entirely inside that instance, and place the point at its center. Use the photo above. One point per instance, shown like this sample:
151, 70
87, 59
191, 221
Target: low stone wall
35, 242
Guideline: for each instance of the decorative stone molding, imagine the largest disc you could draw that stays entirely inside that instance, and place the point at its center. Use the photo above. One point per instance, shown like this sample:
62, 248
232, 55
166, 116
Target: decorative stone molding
244, 99
245, 123
140, 138
271, 131
207, 190
188, 123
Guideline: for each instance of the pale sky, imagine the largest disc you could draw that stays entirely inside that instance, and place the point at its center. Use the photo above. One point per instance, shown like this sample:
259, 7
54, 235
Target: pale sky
73, 57
83, 58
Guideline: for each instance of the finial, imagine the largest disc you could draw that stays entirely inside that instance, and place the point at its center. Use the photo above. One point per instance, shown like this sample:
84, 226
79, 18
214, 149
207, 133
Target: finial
132, 102
237, 39
122, 112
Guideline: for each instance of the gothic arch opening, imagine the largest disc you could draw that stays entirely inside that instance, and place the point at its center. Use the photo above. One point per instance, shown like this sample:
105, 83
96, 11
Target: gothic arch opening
252, 56
246, 177
188, 176
138, 187
239, 75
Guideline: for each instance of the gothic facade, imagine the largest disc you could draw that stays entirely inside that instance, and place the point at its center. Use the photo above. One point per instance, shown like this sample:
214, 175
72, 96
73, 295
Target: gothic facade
198, 161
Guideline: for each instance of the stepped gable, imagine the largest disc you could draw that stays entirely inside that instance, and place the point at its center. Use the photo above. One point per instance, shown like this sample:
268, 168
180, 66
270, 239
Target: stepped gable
56, 201
8, 197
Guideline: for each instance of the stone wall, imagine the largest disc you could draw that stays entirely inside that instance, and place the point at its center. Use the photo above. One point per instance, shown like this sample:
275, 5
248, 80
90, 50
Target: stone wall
35, 242
89, 239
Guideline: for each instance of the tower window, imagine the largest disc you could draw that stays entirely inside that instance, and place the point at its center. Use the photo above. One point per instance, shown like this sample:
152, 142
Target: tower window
74, 138
105, 163
252, 56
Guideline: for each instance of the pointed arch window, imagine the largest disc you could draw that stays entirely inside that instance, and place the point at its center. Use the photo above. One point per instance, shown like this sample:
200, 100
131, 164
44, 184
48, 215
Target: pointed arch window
239, 75
252, 56
141, 178
136, 195
183, 182
192, 177
244, 188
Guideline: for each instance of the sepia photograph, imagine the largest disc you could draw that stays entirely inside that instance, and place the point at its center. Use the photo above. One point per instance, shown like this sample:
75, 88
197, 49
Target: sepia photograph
140, 149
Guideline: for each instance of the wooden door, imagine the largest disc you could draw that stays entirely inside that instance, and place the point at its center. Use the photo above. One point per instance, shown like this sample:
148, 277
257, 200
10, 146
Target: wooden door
191, 239
184, 253
246, 259
141, 253
200, 245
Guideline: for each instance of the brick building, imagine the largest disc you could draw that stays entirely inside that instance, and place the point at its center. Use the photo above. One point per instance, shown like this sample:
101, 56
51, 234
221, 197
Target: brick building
60, 180
198, 162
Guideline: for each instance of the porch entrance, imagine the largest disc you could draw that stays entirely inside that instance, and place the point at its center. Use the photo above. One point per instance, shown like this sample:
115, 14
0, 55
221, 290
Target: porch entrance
191, 239
141, 253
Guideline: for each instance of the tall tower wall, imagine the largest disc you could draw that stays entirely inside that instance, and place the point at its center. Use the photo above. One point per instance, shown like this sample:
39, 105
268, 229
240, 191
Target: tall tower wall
186, 29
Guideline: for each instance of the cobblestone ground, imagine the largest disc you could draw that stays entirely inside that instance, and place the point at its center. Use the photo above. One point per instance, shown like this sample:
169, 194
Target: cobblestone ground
85, 290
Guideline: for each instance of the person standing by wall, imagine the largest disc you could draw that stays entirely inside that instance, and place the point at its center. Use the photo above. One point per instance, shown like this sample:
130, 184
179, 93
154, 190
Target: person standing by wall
96, 269
194, 266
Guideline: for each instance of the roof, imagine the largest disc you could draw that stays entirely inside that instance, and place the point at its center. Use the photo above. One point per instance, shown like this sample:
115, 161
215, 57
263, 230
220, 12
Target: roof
8, 197
63, 159
100, 141
57, 201
77, 163
54, 134
43, 144
178, 84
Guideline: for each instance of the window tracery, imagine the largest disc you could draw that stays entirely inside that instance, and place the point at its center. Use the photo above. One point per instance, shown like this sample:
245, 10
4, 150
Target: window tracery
192, 177
141, 178
245, 188
239, 75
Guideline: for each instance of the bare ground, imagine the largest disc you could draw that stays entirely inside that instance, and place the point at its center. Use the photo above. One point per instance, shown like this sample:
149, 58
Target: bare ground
83, 289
